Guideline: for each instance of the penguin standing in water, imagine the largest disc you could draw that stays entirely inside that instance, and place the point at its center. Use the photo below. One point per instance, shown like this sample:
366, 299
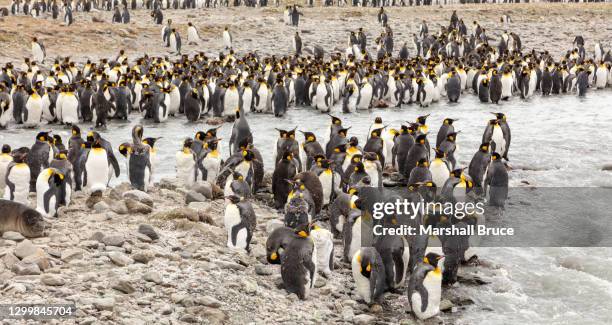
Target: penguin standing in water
17, 177
425, 287
277, 243
448, 147
39, 157
192, 105
240, 222
75, 147
285, 169
453, 87
5, 160
311, 148
498, 134
478, 165
92, 138
48, 186
279, 98
299, 263
186, 169
446, 128
417, 152
484, 91
97, 168
496, 182
440, 170
287, 143
369, 274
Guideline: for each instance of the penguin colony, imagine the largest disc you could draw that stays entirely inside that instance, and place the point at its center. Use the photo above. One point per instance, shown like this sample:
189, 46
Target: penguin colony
313, 182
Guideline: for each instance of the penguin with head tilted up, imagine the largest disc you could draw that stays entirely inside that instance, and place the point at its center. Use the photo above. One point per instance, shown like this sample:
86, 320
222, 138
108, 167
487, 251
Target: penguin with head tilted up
39, 157
97, 167
369, 274
48, 186
311, 148
277, 243
5, 160
425, 287
64, 166
495, 182
286, 169
17, 177
240, 222
299, 263
186, 169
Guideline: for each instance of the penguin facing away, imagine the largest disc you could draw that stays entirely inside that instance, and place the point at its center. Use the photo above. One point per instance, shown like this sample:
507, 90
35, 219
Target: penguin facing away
299, 263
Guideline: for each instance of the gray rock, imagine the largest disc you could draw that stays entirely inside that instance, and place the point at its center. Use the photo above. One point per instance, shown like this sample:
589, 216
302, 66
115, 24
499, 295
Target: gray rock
143, 257
364, 319
203, 188
230, 266
120, 259
39, 258
13, 235
119, 207
143, 238
148, 230
101, 207
199, 206
72, 254
208, 301
21, 268
113, 240
446, 305
10, 260
124, 286
15, 288
104, 303
97, 236
193, 196
178, 213
152, 276
167, 310
261, 269
169, 183
188, 318
52, 280
607, 167
134, 206
348, 314
139, 196
249, 286
25, 248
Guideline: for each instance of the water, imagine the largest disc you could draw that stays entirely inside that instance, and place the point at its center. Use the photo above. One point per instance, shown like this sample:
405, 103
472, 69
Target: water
560, 141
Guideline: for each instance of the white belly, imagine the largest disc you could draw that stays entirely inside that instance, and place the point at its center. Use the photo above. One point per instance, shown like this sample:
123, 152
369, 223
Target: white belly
602, 78
362, 284
231, 219
185, 168
439, 173
70, 110
326, 181
506, 87
20, 176
432, 284
321, 95
324, 243
212, 165
355, 238
34, 108
192, 35
262, 92
498, 138
98, 170
366, 97
175, 101
231, 102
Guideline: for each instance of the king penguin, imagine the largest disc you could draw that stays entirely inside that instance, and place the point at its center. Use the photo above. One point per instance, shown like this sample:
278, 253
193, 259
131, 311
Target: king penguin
369, 274
496, 182
324, 243
17, 177
97, 168
186, 170
299, 263
425, 287
277, 243
240, 222
48, 184
5, 160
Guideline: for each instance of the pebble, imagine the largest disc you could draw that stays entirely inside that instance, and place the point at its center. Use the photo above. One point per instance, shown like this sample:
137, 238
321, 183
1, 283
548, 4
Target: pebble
364, 319
134, 206
446, 305
193, 196
230, 266
139, 196
73, 254
376, 308
249, 286
52, 280
152, 276
348, 314
113, 240
119, 207
148, 231
13, 235
120, 259
25, 248
124, 286
10, 260
143, 257
199, 206
39, 258
15, 288
21, 268
261, 269
209, 301
104, 303
101, 207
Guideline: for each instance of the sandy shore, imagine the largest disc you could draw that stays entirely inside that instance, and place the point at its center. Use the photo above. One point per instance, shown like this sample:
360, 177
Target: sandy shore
541, 26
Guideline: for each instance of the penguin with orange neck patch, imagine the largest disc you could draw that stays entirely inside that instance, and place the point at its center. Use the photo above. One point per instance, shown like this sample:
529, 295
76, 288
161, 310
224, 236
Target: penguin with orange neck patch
299, 263
369, 274
425, 287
